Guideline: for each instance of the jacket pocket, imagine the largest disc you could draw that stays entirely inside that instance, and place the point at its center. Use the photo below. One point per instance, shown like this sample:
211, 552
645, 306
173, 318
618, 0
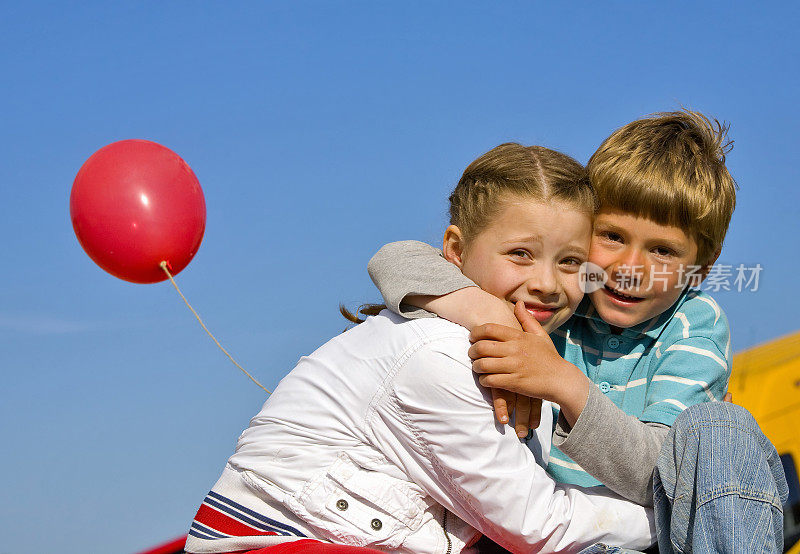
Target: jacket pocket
360, 507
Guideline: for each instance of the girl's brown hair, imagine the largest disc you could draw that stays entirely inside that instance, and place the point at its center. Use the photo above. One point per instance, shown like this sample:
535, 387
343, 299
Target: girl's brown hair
513, 169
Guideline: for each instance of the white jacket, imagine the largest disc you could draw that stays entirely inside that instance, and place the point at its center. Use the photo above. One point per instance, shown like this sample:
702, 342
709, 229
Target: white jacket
383, 438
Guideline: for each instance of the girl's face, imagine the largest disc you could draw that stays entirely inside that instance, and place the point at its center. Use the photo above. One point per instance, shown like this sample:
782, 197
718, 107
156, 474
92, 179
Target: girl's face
530, 252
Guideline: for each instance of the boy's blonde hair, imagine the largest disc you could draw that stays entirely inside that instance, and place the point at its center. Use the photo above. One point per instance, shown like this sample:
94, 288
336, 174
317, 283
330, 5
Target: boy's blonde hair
670, 167
516, 170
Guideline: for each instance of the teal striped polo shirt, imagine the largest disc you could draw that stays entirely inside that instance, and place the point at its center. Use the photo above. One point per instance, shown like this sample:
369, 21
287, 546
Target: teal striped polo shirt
652, 371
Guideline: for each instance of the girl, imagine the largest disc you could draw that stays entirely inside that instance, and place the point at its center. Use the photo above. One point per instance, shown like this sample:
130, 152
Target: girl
383, 438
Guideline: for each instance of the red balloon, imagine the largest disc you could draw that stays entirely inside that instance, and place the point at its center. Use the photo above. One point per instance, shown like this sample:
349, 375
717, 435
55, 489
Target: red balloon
134, 204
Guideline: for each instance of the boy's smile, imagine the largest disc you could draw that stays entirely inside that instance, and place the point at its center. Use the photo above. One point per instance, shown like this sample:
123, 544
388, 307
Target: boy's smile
647, 265
531, 252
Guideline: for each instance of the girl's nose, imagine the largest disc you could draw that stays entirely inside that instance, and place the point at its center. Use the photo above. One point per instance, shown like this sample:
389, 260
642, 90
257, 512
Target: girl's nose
545, 280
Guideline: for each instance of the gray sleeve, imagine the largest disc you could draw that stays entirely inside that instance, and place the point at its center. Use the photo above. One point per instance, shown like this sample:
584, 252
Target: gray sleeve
400, 269
613, 447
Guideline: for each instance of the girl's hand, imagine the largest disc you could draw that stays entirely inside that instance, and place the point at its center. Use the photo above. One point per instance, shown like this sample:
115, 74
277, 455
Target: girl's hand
527, 363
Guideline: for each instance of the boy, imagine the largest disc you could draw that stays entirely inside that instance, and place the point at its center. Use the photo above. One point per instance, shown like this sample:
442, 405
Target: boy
649, 344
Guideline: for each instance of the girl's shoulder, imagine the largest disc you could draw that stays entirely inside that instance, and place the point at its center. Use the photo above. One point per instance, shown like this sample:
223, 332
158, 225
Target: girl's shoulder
390, 335
428, 328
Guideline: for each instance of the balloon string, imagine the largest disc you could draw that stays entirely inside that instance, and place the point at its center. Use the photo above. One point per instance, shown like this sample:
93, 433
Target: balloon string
174, 284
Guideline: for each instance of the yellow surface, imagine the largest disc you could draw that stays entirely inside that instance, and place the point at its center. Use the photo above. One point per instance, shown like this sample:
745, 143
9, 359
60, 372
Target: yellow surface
766, 381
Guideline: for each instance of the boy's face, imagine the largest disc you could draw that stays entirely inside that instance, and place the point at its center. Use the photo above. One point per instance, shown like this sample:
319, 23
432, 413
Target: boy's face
531, 252
647, 266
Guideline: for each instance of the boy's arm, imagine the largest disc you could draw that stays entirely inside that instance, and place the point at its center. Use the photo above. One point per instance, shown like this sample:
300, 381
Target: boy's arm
413, 268
617, 449
620, 450
689, 368
416, 281
613, 447
620, 462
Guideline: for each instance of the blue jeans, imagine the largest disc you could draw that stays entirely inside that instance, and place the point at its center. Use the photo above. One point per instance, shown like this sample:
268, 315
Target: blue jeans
718, 487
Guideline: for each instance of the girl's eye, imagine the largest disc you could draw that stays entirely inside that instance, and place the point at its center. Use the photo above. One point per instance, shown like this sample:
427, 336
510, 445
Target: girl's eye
571, 264
521, 254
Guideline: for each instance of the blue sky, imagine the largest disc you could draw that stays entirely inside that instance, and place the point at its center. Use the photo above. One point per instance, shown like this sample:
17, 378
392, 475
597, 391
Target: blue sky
319, 131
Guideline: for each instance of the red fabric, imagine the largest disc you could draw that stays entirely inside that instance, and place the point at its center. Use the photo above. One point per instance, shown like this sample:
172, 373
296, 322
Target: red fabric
309, 546
172, 547
223, 523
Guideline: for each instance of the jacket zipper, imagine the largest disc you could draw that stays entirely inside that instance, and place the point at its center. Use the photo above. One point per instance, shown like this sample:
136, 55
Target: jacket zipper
446, 536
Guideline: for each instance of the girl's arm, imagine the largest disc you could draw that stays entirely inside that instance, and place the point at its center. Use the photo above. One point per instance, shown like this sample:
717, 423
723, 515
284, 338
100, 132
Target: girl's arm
490, 479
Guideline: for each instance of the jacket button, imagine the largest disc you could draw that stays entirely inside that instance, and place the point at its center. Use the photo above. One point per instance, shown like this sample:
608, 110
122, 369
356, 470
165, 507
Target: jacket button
605, 387
376, 524
341, 504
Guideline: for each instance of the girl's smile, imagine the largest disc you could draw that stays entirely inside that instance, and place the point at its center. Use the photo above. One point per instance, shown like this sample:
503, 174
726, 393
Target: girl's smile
530, 252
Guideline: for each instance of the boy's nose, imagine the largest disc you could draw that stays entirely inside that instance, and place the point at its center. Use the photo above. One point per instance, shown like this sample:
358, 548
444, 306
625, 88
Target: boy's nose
630, 269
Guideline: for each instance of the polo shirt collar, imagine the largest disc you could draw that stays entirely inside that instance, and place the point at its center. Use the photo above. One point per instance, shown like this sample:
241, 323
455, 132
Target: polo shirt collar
651, 328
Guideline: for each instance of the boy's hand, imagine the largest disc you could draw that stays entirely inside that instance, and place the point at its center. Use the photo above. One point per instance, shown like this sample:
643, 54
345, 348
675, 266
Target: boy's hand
527, 411
526, 362
728, 397
513, 360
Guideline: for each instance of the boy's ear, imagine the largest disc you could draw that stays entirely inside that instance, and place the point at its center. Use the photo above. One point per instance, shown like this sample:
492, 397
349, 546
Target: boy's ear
453, 245
706, 268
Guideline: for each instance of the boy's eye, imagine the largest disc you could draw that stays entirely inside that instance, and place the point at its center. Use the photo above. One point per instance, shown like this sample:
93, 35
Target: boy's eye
663, 251
611, 235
